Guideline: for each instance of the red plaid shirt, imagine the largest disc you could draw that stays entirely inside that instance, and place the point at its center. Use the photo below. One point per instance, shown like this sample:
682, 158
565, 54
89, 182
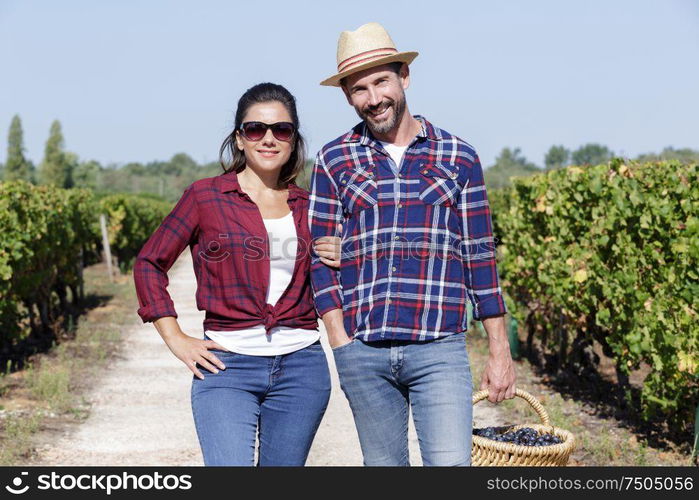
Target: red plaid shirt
224, 230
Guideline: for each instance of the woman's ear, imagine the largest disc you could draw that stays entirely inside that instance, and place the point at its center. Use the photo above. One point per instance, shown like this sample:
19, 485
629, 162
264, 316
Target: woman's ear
238, 140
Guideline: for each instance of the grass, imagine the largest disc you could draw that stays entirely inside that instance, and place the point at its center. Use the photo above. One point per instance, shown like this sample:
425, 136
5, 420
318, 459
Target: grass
600, 441
16, 433
49, 392
50, 384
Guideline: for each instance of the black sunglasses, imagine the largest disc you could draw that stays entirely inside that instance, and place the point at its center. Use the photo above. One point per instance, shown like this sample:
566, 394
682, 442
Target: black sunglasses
255, 131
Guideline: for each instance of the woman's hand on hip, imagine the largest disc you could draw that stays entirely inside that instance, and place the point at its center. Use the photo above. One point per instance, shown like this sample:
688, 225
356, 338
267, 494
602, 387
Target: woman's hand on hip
193, 351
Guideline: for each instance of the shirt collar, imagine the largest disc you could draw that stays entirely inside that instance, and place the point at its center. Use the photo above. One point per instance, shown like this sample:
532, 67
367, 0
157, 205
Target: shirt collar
229, 182
361, 133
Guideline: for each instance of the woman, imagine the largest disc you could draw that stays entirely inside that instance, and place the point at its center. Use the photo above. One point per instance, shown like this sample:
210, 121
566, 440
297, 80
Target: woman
263, 366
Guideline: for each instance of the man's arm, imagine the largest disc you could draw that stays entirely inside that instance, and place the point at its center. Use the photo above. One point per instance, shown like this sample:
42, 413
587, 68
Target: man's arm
499, 374
325, 216
478, 247
483, 286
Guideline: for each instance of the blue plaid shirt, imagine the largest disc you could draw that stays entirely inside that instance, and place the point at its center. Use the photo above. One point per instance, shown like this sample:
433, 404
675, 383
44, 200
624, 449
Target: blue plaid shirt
417, 241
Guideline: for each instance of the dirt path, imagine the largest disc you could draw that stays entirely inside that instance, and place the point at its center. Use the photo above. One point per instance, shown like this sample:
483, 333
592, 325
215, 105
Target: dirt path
141, 414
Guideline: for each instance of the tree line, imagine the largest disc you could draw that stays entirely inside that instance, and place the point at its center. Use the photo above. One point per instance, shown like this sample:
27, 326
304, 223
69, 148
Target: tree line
511, 162
167, 179
61, 168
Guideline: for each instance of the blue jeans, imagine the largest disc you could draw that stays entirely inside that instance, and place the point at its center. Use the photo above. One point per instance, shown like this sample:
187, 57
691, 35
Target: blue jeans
284, 396
381, 379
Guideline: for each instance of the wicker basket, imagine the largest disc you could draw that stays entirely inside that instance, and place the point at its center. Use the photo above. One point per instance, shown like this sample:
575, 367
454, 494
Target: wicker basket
486, 452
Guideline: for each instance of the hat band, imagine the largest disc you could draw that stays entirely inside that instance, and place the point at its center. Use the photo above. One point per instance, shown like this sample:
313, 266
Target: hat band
365, 57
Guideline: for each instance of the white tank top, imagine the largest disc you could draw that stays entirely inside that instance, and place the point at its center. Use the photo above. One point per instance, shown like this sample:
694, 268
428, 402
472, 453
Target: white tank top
283, 245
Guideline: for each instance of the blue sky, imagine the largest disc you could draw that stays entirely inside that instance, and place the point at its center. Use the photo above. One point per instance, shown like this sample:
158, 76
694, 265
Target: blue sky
141, 81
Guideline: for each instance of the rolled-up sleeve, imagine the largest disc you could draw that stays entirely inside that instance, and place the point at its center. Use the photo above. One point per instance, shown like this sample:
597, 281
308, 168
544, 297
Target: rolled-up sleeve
478, 247
324, 215
160, 252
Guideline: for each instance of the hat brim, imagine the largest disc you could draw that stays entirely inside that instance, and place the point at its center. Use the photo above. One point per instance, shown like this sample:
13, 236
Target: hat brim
405, 57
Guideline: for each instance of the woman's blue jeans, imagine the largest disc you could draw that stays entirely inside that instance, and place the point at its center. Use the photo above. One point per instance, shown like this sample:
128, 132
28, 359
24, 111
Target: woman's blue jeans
383, 379
284, 397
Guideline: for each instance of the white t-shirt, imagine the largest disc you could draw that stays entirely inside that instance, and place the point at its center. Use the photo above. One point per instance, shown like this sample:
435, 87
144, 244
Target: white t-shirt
396, 152
254, 341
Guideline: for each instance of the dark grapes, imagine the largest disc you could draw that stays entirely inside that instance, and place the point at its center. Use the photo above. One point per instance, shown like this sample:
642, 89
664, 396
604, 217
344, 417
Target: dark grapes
525, 436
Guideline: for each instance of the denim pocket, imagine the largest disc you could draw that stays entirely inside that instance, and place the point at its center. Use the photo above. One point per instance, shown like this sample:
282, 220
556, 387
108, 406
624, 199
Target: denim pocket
454, 337
343, 346
220, 351
315, 346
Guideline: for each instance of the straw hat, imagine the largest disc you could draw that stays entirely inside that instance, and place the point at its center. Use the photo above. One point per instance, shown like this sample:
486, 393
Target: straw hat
368, 46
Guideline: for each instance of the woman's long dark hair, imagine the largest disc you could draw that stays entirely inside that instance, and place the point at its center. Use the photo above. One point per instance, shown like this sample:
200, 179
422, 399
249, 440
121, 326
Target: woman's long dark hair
233, 159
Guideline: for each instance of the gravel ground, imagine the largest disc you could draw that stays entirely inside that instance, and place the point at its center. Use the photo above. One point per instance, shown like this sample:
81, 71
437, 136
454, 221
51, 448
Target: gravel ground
141, 414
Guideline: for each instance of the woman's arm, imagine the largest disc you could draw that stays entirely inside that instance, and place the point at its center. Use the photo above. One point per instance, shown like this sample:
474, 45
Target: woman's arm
160, 252
178, 229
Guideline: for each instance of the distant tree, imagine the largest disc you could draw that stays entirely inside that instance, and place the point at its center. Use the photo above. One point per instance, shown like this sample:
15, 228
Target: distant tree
157, 168
71, 163
17, 166
134, 168
180, 164
556, 157
87, 174
211, 169
591, 154
56, 167
685, 155
509, 163
33, 175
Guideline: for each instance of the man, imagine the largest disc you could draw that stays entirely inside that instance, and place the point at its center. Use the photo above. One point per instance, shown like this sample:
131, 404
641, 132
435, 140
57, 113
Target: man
416, 244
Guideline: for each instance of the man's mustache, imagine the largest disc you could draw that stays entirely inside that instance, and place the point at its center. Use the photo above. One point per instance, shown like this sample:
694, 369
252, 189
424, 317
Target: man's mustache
384, 105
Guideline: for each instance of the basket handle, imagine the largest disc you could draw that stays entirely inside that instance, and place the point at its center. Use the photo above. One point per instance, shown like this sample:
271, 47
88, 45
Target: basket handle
535, 403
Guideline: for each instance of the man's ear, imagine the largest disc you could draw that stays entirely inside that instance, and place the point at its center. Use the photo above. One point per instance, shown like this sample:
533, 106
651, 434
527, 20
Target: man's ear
346, 92
405, 76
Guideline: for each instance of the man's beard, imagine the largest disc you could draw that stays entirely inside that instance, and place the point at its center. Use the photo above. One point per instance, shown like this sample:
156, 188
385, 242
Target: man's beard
388, 124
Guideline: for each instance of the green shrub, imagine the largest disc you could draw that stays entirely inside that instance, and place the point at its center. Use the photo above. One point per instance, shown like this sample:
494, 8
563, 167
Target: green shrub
610, 253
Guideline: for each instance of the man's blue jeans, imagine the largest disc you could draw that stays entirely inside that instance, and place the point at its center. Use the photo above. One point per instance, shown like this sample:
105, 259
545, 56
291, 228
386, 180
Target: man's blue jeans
286, 395
380, 380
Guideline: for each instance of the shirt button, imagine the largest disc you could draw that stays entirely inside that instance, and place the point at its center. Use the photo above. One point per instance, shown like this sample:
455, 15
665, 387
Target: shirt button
400, 205
344, 181
388, 301
452, 176
394, 268
424, 171
396, 237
